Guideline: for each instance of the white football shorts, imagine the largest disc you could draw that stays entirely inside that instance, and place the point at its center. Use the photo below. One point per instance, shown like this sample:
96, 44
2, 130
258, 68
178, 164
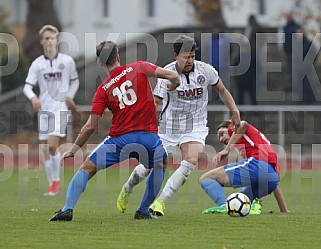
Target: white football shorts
52, 123
171, 141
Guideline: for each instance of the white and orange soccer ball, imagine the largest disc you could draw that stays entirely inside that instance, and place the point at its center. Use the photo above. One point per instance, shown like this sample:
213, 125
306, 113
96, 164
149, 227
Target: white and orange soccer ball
238, 205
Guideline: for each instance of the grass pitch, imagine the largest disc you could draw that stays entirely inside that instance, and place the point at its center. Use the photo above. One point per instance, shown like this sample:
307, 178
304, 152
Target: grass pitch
24, 214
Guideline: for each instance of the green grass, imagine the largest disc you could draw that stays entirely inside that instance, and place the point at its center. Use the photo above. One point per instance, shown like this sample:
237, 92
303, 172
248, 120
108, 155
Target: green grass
24, 215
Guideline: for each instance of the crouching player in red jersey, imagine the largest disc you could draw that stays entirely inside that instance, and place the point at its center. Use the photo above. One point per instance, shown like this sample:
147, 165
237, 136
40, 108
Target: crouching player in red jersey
258, 173
126, 92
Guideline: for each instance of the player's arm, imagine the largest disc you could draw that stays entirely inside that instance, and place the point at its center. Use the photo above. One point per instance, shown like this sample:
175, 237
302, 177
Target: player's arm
229, 102
73, 88
30, 94
280, 199
86, 131
236, 136
169, 75
158, 100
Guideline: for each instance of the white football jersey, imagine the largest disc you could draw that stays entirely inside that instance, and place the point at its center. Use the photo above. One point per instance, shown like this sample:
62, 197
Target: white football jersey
53, 78
185, 109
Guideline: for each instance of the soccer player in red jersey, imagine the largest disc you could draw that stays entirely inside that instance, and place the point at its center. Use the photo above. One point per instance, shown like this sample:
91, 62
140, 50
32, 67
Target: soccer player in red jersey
126, 92
258, 173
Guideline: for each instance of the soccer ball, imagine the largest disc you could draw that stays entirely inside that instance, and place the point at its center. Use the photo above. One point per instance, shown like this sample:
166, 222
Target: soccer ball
238, 205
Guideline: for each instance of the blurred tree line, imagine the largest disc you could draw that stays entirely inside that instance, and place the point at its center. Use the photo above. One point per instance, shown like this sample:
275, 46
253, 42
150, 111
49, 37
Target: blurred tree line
12, 80
39, 14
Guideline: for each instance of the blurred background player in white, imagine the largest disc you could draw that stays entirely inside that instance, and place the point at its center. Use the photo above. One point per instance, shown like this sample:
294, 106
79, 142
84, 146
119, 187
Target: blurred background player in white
258, 173
57, 77
183, 120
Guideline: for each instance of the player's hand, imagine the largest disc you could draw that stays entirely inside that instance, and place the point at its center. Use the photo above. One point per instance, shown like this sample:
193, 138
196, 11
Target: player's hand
171, 86
36, 104
71, 104
67, 154
236, 120
219, 156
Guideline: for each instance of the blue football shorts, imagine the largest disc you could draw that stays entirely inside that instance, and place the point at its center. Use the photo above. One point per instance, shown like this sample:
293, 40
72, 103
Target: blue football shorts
258, 178
146, 147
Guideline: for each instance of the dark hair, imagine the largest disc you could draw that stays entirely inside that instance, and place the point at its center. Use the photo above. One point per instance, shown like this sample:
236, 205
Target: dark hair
224, 124
107, 52
184, 43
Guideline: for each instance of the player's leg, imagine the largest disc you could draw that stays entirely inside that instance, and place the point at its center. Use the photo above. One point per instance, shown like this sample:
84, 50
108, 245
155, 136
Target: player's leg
157, 160
137, 175
190, 153
57, 129
153, 185
43, 129
212, 182
54, 158
103, 156
76, 187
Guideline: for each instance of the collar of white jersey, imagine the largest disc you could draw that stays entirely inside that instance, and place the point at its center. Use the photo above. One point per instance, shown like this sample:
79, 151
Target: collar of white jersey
47, 58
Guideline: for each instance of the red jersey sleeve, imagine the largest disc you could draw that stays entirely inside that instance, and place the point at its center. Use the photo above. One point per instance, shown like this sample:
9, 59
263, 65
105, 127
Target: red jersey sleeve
99, 105
147, 68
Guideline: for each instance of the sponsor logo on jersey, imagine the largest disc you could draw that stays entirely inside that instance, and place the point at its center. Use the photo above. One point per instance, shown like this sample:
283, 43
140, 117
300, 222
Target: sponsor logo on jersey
190, 94
53, 76
117, 78
201, 79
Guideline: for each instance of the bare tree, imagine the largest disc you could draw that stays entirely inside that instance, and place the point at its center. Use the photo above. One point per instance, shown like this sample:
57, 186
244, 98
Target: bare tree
208, 11
40, 13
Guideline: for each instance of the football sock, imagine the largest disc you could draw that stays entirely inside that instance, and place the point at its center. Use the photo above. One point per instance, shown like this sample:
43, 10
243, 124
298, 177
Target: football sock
153, 185
214, 190
48, 167
138, 174
55, 161
176, 181
75, 188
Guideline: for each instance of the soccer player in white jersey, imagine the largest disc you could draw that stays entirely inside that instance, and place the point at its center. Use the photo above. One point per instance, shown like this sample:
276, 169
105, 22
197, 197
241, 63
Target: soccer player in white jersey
183, 120
57, 78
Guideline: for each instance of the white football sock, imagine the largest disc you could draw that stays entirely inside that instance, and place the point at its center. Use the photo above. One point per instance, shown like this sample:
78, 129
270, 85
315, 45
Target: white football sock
55, 160
176, 181
48, 167
138, 174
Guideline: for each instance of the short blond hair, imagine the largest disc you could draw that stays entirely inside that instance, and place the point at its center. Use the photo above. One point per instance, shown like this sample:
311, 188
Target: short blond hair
46, 28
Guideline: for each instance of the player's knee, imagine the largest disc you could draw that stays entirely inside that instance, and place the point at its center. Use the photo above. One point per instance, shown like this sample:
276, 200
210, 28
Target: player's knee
52, 149
205, 177
191, 159
89, 167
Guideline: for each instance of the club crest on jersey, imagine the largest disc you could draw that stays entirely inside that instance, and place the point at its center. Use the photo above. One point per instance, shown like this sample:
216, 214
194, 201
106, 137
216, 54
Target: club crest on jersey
61, 66
201, 79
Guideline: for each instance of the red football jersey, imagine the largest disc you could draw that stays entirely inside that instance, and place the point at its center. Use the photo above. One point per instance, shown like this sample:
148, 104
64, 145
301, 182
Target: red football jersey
126, 92
254, 144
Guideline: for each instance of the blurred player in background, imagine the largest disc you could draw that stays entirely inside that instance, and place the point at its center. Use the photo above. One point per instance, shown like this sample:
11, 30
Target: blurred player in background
56, 75
258, 173
126, 92
183, 120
